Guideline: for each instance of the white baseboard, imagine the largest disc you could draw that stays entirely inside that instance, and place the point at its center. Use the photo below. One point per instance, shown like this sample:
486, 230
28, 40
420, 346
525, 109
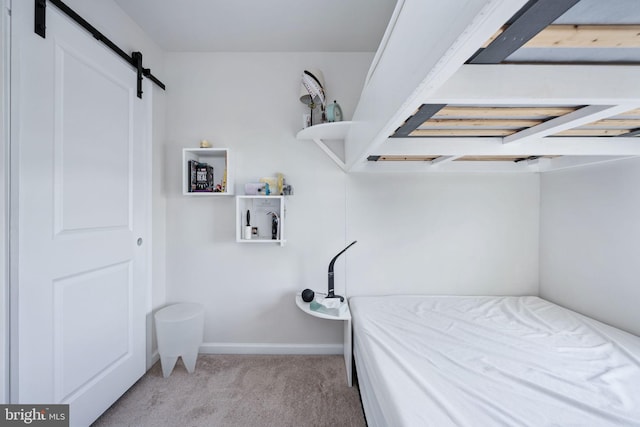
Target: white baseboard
263, 348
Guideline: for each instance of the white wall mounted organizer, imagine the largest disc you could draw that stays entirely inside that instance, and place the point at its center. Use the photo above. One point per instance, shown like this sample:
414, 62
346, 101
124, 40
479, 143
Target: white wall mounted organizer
216, 157
261, 212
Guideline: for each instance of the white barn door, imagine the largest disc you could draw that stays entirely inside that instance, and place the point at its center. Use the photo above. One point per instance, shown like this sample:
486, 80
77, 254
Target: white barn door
83, 139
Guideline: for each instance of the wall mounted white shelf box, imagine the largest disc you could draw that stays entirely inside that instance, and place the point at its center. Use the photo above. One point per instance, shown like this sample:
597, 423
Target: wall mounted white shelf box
259, 208
327, 131
216, 157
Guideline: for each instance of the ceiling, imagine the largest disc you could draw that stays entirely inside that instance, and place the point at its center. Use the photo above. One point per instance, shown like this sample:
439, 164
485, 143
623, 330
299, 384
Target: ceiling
262, 26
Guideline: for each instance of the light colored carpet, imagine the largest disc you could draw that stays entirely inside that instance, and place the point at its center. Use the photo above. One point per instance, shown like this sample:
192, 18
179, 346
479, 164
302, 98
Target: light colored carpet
242, 391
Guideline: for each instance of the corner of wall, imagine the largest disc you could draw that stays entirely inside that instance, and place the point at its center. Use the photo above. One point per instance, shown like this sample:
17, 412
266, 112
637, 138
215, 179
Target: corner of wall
4, 202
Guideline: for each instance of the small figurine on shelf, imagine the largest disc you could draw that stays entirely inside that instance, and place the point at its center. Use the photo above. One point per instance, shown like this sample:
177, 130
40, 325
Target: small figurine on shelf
224, 181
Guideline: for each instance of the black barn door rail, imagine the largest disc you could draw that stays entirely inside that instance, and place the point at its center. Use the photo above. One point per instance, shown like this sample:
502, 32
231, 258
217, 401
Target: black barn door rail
135, 59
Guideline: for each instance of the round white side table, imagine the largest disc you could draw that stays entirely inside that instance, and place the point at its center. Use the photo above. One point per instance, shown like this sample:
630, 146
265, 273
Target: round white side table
346, 319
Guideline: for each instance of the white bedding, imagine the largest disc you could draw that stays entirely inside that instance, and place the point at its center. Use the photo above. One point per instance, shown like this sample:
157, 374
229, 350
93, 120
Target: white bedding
491, 361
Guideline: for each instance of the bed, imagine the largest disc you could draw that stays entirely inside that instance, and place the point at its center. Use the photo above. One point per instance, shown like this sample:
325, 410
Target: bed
491, 361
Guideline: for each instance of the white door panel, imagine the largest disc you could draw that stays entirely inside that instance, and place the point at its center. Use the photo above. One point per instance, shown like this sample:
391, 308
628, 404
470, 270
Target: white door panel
76, 324
93, 134
82, 279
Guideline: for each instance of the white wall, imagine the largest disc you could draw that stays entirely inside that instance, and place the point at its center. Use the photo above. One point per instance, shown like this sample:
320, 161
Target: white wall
453, 234
443, 234
249, 103
590, 241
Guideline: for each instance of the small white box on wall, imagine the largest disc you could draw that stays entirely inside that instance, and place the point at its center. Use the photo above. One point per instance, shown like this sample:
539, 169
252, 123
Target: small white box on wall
254, 189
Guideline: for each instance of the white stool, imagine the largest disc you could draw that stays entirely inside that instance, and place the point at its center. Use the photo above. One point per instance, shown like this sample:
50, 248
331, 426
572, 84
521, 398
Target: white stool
179, 329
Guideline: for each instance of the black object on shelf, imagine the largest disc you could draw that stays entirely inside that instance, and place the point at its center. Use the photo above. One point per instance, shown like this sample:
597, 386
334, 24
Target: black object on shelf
330, 292
307, 295
200, 177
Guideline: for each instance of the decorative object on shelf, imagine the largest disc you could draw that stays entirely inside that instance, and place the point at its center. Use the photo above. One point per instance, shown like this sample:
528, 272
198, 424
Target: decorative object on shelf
205, 144
307, 295
330, 306
280, 183
334, 112
192, 175
312, 93
271, 185
247, 228
254, 188
200, 177
223, 186
275, 225
204, 177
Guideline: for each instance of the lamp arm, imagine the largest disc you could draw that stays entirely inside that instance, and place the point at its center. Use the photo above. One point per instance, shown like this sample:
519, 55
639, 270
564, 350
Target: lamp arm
330, 291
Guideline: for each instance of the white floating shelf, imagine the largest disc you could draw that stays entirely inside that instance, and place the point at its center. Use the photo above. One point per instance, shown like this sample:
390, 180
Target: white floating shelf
327, 131
306, 307
333, 130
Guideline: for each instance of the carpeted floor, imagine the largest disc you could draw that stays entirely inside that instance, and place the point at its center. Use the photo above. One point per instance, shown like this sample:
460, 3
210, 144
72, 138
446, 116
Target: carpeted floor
242, 390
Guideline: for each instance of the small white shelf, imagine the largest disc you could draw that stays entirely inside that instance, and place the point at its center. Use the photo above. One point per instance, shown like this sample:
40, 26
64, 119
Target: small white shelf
259, 208
327, 131
346, 334
333, 130
306, 307
216, 157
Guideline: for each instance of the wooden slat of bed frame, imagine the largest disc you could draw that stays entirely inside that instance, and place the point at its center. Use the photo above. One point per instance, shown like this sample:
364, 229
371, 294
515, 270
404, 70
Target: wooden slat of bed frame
616, 123
462, 132
479, 122
628, 114
592, 132
400, 158
582, 36
426, 158
489, 158
593, 36
502, 112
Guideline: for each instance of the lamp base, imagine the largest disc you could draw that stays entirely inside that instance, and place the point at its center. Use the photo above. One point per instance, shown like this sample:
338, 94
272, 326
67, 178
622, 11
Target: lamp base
331, 295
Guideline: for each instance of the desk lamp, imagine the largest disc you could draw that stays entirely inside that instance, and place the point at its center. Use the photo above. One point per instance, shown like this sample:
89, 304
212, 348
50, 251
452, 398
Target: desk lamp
312, 91
330, 293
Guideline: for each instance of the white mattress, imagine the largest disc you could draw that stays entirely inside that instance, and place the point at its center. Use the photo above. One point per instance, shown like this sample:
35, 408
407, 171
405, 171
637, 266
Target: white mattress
491, 361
